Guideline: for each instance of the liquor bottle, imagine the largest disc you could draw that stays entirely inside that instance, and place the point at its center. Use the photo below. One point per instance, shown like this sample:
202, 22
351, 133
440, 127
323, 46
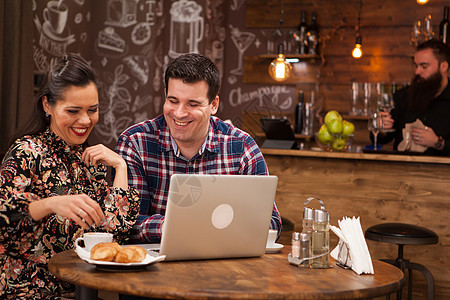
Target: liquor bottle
312, 35
444, 27
298, 126
302, 38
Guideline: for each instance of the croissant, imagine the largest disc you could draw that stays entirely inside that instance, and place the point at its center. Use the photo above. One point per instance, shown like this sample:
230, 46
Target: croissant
105, 251
131, 254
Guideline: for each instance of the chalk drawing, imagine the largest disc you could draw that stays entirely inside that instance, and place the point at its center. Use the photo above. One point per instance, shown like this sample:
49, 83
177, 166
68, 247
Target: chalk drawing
236, 4
155, 9
118, 101
159, 74
54, 35
141, 33
237, 97
138, 66
242, 41
186, 27
78, 18
122, 13
109, 39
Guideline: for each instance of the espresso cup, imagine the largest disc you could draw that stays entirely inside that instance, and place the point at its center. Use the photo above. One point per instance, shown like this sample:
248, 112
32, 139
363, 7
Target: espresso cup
55, 14
91, 239
271, 238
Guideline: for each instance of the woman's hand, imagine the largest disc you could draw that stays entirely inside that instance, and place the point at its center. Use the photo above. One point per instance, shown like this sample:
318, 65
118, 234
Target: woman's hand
80, 208
102, 154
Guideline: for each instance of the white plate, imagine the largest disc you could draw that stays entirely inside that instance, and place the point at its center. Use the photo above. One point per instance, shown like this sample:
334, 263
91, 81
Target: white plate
274, 248
148, 260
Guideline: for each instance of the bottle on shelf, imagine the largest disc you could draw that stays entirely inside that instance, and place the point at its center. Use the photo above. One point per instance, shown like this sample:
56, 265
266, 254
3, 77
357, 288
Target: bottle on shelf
312, 35
298, 126
444, 27
302, 39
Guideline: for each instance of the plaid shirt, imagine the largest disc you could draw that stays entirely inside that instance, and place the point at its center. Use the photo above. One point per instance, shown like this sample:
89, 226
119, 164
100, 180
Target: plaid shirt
148, 150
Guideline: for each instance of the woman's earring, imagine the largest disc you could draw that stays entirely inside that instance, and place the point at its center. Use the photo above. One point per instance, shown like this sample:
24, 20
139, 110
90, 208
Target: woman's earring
47, 115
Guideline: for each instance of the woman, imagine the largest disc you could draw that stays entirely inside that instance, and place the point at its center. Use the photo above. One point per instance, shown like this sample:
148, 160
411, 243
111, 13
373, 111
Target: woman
53, 187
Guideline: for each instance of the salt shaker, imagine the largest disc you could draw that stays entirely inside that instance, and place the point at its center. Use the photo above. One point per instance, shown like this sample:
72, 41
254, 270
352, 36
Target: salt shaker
295, 243
304, 249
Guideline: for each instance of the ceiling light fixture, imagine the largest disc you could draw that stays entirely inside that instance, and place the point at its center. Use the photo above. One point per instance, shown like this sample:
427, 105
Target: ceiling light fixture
279, 68
422, 1
357, 51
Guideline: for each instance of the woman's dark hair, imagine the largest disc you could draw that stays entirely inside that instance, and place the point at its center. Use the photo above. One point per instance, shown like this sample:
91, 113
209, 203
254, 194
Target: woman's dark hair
193, 68
71, 70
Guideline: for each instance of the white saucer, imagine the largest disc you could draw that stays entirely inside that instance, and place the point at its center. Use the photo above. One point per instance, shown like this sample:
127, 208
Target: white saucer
274, 248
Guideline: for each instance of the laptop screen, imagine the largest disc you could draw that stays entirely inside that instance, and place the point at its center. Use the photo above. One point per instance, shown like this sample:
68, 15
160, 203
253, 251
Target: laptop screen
217, 216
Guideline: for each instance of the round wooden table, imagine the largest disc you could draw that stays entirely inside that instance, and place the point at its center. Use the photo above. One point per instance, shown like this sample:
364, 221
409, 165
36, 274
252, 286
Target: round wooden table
267, 277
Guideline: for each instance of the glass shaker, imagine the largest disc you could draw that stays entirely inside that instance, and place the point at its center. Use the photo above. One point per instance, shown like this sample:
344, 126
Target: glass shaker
307, 225
320, 242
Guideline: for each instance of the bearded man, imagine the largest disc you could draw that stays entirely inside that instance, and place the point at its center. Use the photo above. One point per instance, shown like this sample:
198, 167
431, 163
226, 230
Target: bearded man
426, 99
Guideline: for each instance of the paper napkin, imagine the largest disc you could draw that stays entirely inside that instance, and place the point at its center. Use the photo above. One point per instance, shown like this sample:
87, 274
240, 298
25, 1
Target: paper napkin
352, 250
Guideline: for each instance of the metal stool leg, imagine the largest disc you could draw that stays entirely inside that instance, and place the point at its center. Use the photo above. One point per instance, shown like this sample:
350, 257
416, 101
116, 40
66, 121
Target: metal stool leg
428, 277
410, 280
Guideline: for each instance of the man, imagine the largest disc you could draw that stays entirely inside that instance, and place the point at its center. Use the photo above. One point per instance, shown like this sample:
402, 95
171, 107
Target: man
426, 99
187, 138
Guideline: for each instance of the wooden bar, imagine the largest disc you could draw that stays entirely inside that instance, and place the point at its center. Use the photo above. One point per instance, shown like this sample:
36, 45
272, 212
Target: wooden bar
378, 189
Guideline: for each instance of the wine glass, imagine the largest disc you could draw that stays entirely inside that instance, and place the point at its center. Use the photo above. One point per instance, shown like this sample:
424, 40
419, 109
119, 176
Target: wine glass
386, 104
374, 125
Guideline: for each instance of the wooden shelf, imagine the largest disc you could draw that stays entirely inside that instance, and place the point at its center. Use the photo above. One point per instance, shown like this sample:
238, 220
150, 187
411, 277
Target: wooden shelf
351, 117
299, 56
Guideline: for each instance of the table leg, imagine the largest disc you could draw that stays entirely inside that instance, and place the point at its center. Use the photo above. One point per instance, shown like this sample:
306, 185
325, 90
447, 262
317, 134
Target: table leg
85, 293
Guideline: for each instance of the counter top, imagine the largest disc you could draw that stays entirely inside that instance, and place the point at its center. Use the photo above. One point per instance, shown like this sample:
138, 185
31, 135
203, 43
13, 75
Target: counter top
359, 155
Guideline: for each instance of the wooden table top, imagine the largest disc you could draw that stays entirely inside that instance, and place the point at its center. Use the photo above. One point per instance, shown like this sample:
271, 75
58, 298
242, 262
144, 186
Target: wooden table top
267, 277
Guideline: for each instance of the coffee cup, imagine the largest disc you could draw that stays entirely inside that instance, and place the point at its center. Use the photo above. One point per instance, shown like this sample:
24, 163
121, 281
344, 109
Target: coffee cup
271, 238
55, 14
91, 239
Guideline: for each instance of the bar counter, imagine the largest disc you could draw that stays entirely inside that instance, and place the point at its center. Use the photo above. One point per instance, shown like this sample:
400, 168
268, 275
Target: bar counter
378, 188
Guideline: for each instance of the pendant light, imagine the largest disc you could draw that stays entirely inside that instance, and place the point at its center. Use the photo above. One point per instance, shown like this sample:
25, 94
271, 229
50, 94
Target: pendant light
357, 51
279, 68
422, 1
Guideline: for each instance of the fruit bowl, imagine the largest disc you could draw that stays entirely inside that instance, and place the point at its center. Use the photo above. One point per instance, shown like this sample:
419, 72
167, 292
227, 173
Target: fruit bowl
338, 142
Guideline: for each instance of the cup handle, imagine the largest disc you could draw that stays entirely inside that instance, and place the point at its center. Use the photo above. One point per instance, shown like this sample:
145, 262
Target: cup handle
80, 250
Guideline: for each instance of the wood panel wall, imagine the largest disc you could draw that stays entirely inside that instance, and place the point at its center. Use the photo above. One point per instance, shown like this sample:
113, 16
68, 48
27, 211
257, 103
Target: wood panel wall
385, 30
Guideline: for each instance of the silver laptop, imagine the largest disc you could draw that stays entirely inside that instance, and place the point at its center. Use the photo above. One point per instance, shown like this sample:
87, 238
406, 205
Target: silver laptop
217, 216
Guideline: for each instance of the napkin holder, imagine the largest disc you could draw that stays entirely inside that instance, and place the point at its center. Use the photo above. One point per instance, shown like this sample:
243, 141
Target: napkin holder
342, 253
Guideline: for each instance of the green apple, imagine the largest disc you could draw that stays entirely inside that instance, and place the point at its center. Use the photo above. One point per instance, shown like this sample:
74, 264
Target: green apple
338, 144
347, 128
324, 135
335, 126
332, 115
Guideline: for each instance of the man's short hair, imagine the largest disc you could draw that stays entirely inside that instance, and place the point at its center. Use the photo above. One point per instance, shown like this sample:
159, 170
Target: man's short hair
193, 68
440, 50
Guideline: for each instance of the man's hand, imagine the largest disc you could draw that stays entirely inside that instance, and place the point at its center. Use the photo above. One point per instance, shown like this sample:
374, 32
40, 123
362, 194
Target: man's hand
424, 137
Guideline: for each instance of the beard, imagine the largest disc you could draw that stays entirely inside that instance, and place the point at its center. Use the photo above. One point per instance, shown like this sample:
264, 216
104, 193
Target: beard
423, 91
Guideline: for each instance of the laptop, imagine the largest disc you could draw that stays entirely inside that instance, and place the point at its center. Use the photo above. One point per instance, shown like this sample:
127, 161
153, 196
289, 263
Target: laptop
217, 216
279, 134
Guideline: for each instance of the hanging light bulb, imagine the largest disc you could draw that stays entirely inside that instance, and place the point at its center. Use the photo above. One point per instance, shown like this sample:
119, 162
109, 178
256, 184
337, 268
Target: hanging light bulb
422, 1
357, 51
279, 68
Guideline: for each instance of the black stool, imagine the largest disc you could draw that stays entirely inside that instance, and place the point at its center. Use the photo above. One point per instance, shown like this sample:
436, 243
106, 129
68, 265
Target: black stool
405, 234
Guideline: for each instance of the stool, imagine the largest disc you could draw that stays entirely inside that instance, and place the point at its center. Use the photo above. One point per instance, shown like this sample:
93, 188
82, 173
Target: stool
405, 234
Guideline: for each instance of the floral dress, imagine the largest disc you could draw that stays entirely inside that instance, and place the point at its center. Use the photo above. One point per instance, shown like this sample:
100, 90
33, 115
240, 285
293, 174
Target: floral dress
42, 166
